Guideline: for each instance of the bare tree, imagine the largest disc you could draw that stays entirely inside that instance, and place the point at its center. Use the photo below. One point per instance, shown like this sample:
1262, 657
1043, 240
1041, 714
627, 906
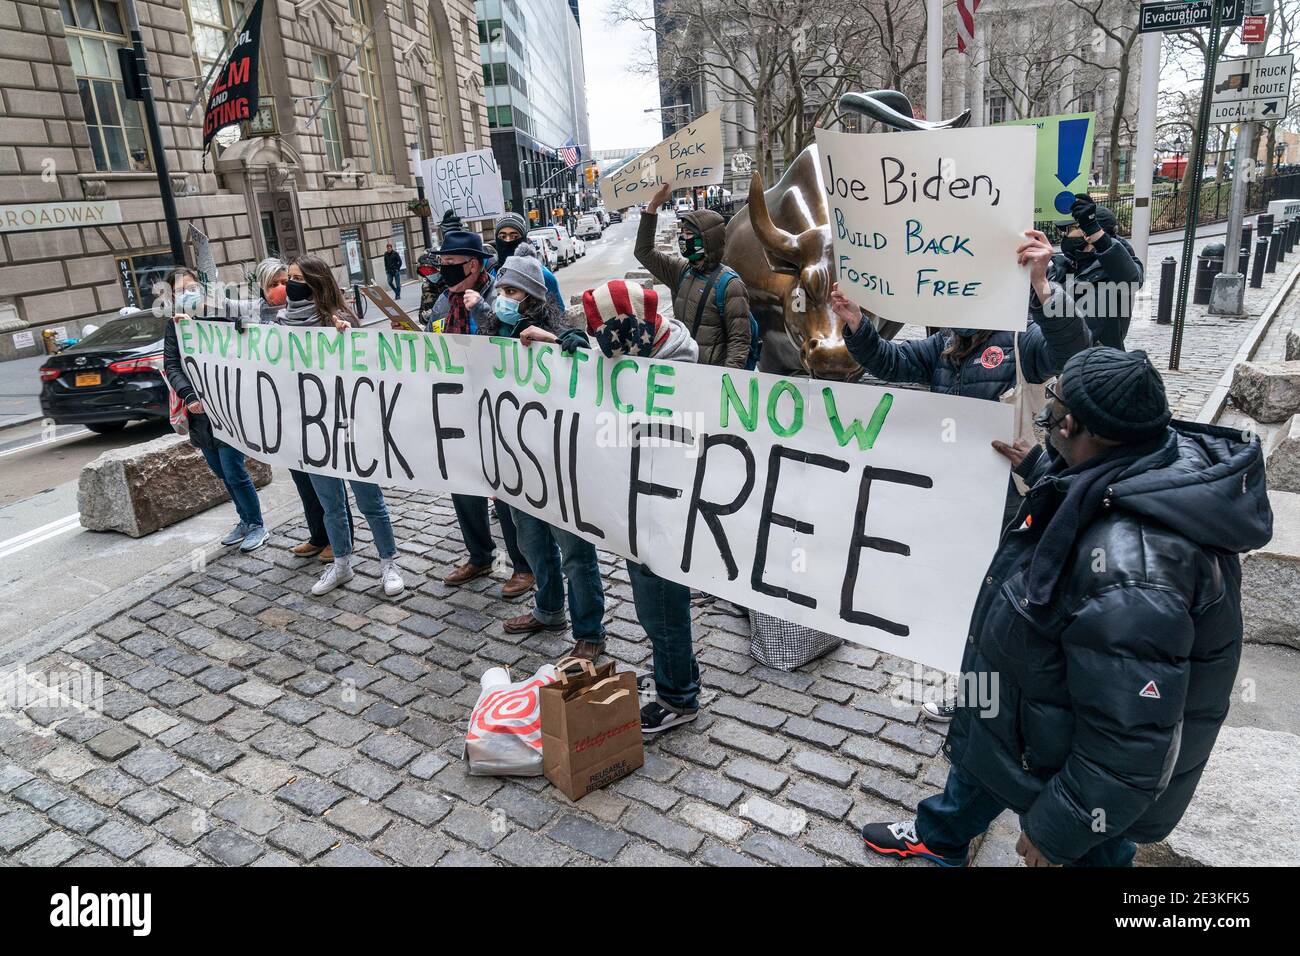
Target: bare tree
785, 61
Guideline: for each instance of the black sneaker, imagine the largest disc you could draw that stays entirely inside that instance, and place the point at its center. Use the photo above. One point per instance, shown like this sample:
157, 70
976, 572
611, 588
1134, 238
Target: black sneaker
899, 839
656, 718
940, 711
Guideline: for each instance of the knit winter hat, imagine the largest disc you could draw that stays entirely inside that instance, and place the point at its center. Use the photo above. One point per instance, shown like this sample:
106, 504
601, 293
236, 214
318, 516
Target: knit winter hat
525, 274
623, 317
512, 219
1115, 395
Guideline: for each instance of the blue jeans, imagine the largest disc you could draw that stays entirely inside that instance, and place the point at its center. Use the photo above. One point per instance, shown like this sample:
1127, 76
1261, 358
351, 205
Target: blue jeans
556, 555
395, 283
370, 502
228, 464
947, 822
664, 609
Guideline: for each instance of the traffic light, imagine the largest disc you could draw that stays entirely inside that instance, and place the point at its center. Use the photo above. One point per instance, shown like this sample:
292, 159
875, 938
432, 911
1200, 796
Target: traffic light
534, 215
591, 175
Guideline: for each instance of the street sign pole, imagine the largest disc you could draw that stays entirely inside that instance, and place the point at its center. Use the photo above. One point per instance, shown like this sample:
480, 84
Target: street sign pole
1194, 193
1229, 293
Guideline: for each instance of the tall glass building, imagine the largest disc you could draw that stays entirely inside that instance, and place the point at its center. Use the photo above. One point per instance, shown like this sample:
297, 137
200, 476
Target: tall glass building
535, 89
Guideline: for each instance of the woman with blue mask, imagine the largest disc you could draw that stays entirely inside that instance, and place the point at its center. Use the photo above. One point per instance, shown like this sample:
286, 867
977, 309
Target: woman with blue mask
188, 299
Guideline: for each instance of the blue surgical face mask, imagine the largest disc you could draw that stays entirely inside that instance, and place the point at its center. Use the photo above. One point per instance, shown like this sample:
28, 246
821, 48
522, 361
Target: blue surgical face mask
507, 311
189, 301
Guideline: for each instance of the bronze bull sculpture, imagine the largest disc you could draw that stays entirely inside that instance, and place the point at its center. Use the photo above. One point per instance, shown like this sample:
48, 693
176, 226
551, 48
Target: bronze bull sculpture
780, 244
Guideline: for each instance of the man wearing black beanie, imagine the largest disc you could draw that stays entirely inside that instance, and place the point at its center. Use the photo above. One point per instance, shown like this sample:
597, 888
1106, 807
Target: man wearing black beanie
1104, 644
1099, 270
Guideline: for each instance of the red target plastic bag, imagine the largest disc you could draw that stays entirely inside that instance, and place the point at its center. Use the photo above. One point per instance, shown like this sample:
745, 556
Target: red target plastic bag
504, 738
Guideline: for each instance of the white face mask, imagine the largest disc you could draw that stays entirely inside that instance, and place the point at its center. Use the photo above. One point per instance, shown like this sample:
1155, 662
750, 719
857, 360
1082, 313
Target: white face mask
189, 301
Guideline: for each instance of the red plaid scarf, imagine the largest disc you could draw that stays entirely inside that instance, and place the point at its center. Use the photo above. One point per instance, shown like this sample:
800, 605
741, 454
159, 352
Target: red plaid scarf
457, 321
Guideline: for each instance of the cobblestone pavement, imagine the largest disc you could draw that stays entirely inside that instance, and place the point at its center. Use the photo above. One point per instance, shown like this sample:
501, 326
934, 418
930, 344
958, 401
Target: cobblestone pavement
246, 723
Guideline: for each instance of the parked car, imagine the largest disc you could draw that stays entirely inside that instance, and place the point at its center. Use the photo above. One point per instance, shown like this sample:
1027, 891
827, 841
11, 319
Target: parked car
683, 205
615, 216
111, 377
561, 242
579, 247
588, 227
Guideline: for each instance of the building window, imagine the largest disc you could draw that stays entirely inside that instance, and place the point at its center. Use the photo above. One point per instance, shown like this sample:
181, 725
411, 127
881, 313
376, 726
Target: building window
423, 127
997, 109
1087, 101
142, 275
211, 23
95, 34
372, 96
322, 75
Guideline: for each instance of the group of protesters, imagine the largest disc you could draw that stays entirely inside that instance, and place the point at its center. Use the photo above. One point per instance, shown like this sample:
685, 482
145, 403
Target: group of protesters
1108, 623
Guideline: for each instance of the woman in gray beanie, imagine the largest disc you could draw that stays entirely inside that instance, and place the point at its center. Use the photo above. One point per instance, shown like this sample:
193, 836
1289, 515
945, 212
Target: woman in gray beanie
523, 298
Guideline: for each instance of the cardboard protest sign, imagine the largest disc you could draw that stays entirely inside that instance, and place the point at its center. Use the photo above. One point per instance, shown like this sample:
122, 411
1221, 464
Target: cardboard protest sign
925, 225
692, 156
467, 183
395, 314
844, 507
1062, 162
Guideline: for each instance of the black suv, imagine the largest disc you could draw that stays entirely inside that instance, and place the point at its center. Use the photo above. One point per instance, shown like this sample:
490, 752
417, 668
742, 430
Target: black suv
111, 377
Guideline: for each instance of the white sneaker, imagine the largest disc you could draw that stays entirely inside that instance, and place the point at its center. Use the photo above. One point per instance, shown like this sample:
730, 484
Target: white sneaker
393, 583
334, 575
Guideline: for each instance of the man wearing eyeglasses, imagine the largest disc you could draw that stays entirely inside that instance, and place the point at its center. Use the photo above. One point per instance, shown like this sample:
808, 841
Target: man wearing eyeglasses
1105, 639
1098, 269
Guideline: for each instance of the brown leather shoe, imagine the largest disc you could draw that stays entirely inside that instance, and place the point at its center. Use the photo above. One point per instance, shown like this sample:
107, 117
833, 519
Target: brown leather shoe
306, 550
523, 624
326, 554
586, 650
521, 582
467, 572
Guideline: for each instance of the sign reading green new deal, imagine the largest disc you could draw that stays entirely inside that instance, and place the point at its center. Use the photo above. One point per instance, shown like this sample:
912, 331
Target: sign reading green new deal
1063, 162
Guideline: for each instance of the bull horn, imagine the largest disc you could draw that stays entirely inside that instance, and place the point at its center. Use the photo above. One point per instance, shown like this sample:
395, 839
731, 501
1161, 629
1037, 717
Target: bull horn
776, 240
893, 109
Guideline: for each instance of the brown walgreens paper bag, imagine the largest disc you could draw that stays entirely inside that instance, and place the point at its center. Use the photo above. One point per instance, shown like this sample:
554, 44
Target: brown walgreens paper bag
591, 727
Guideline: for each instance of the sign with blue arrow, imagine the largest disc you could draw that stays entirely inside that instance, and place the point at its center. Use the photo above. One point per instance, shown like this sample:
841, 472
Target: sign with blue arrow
1063, 163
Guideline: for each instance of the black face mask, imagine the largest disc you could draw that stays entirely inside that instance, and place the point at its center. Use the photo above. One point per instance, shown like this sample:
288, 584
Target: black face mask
297, 290
1072, 247
691, 247
454, 274
506, 248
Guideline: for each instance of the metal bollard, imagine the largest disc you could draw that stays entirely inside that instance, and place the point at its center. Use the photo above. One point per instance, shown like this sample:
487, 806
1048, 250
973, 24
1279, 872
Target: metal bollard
1284, 237
1243, 261
1274, 241
1165, 307
1257, 267
1264, 223
1208, 264
1295, 233
1247, 236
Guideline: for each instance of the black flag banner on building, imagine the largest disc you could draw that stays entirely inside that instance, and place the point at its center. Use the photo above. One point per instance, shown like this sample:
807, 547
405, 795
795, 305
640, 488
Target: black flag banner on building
234, 93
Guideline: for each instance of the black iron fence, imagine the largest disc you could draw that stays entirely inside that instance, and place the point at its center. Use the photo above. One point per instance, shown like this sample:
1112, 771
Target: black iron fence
1169, 204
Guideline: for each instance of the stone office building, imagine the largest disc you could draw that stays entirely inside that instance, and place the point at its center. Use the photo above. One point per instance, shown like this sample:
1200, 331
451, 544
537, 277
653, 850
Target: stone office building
81, 230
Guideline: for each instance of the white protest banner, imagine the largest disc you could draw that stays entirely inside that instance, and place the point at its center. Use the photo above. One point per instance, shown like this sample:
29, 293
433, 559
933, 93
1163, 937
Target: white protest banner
469, 184
867, 512
692, 156
925, 225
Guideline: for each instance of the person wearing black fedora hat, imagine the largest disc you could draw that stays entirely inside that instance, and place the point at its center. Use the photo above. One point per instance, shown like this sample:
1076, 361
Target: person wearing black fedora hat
467, 307
1103, 648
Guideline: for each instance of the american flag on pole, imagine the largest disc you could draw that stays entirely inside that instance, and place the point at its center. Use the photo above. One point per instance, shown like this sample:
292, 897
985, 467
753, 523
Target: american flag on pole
570, 152
966, 23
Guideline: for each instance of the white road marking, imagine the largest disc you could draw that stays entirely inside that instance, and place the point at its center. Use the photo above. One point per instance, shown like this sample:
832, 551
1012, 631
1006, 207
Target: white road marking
27, 539
45, 441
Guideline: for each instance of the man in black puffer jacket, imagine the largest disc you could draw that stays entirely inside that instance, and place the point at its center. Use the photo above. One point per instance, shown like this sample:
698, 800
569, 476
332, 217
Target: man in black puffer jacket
1104, 644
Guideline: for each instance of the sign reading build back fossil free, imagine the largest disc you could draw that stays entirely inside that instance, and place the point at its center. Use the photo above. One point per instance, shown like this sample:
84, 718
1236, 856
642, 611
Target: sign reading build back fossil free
844, 507
692, 156
925, 226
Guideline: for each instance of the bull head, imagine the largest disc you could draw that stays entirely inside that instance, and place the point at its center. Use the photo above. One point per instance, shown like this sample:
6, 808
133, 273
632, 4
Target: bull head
780, 244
